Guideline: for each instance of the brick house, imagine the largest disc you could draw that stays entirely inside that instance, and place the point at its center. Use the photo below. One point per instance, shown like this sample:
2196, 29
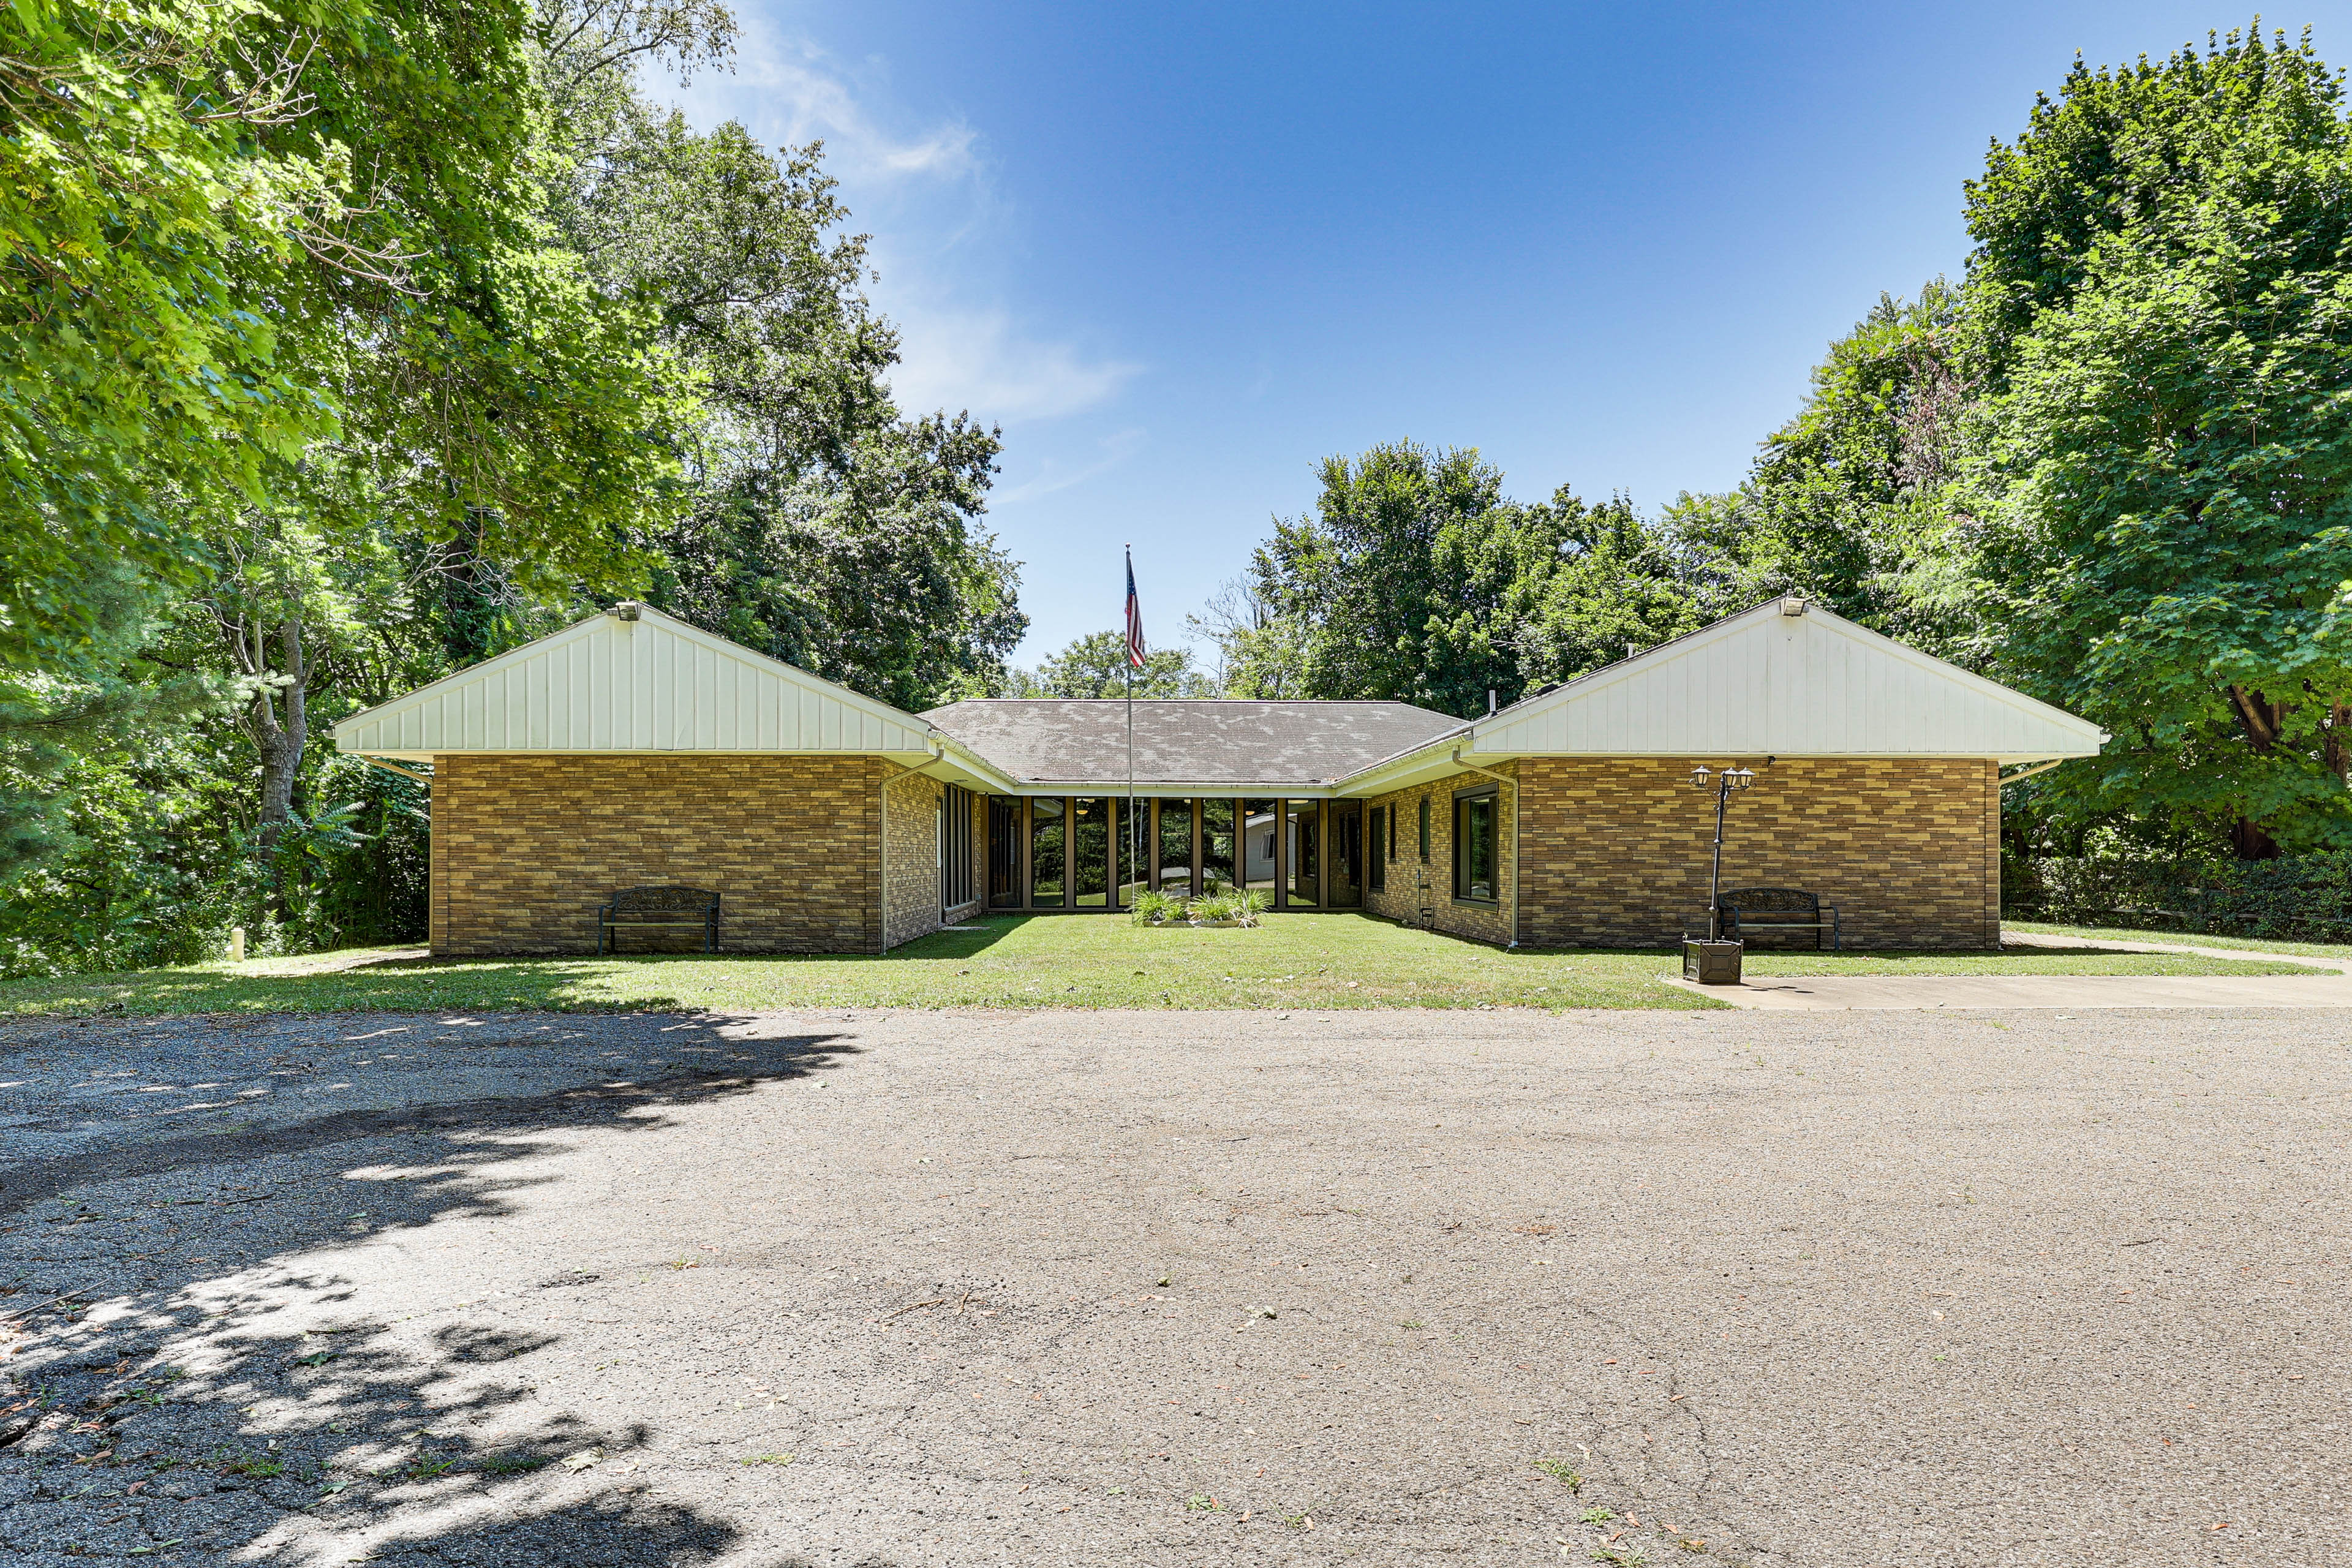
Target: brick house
634, 749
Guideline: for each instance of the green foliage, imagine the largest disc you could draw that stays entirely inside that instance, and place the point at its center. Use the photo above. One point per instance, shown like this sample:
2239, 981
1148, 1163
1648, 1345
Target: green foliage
2162, 300
140, 192
1150, 907
1855, 501
1096, 666
2299, 898
349, 345
1416, 580
817, 524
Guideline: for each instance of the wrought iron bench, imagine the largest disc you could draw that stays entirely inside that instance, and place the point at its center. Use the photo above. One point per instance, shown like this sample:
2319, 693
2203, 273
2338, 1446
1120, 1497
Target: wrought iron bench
659, 906
1747, 910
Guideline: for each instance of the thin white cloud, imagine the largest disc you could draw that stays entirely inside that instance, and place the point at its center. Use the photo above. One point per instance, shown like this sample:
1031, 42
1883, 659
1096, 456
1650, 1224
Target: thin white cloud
923, 188
791, 90
1053, 474
981, 361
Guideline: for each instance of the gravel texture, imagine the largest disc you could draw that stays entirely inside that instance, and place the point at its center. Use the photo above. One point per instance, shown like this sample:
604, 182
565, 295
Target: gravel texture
859, 1289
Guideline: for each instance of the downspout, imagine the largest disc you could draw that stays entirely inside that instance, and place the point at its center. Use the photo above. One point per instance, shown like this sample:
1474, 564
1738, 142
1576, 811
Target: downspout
1514, 785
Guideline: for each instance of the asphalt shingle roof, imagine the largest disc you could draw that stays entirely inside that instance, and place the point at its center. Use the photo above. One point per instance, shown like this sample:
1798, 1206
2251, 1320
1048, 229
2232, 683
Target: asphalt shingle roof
1235, 743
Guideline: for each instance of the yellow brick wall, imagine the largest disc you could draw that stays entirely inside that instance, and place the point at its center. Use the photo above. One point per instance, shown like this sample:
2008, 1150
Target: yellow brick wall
914, 857
1400, 899
525, 847
1616, 850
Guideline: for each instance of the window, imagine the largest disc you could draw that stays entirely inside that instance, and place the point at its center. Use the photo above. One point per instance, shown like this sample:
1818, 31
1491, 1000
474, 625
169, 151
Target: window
1474, 846
1130, 842
1176, 847
1090, 844
1424, 830
1303, 849
1260, 830
955, 849
1343, 880
1003, 852
1383, 840
1216, 846
1047, 861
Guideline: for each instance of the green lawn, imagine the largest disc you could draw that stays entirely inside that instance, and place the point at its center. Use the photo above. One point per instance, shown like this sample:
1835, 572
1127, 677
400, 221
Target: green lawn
1306, 962
2190, 938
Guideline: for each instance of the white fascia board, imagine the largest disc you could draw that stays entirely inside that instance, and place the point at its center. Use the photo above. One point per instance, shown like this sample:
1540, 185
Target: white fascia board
971, 766
1418, 766
1257, 789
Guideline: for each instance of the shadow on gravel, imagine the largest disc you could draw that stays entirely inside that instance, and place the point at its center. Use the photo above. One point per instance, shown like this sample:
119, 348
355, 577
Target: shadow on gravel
253, 1411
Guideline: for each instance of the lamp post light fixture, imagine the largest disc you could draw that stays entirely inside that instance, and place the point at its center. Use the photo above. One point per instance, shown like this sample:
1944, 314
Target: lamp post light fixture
1723, 782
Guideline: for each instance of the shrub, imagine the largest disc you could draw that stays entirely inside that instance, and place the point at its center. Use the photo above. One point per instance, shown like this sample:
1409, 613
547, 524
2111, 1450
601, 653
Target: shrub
1151, 908
2300, 898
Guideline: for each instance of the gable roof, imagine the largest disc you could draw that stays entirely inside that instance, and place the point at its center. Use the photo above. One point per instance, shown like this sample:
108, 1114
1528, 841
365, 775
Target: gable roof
1787, 678
651, 684
1224, 743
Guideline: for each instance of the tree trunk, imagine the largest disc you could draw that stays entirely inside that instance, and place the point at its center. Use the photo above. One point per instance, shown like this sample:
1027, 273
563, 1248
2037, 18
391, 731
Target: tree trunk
281, 736
2250, 843
2333, 751
2262, 722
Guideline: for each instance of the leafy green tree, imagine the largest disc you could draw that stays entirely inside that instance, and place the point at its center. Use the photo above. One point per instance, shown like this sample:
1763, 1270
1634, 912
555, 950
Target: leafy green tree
819, 525
1094, 665
1417, 580
2162, 309
1856, 500
140, 190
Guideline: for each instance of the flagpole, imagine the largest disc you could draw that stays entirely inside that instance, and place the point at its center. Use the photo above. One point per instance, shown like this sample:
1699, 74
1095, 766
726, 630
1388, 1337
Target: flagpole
1134, 847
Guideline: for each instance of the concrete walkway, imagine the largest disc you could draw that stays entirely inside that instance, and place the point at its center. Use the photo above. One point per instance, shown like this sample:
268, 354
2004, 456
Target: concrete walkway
2328, 986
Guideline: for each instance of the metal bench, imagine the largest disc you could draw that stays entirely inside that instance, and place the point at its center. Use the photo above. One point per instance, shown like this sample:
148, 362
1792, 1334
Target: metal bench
659, 906
1747, 910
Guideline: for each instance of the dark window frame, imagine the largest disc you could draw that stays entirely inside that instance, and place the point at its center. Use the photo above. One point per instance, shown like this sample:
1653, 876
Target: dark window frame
1489, 795
1379, 848
959, 881
1424, 829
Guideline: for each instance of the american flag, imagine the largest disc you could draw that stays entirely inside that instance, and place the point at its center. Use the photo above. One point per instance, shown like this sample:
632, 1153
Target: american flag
1134, 618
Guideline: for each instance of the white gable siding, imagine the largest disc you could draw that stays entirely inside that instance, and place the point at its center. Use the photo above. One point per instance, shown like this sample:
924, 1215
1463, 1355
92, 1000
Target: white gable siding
1769, 684
650, 685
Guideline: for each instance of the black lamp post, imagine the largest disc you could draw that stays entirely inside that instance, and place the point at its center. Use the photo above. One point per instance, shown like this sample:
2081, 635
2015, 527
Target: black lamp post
1723, 782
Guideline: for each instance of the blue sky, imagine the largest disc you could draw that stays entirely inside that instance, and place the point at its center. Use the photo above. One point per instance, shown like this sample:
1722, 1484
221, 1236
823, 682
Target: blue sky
1182, 254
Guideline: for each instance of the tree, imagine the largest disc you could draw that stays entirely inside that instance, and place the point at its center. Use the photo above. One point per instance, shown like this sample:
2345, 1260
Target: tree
1417, 580
1853, 502
1096, 666
820, 525
2161, 305
141, 193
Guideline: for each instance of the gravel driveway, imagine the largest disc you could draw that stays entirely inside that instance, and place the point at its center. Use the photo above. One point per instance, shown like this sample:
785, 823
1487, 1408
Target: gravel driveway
1901, 1289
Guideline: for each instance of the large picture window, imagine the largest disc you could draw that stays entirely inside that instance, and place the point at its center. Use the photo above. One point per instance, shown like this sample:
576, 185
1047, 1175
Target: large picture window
1004, 852
1474, 846
1303, 850
1090, 848
1217, 846
1175, 847
1048, 853
1261, 835
955, 849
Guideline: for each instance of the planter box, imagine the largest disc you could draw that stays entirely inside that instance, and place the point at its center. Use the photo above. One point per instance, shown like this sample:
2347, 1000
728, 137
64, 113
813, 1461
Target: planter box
1712, 962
